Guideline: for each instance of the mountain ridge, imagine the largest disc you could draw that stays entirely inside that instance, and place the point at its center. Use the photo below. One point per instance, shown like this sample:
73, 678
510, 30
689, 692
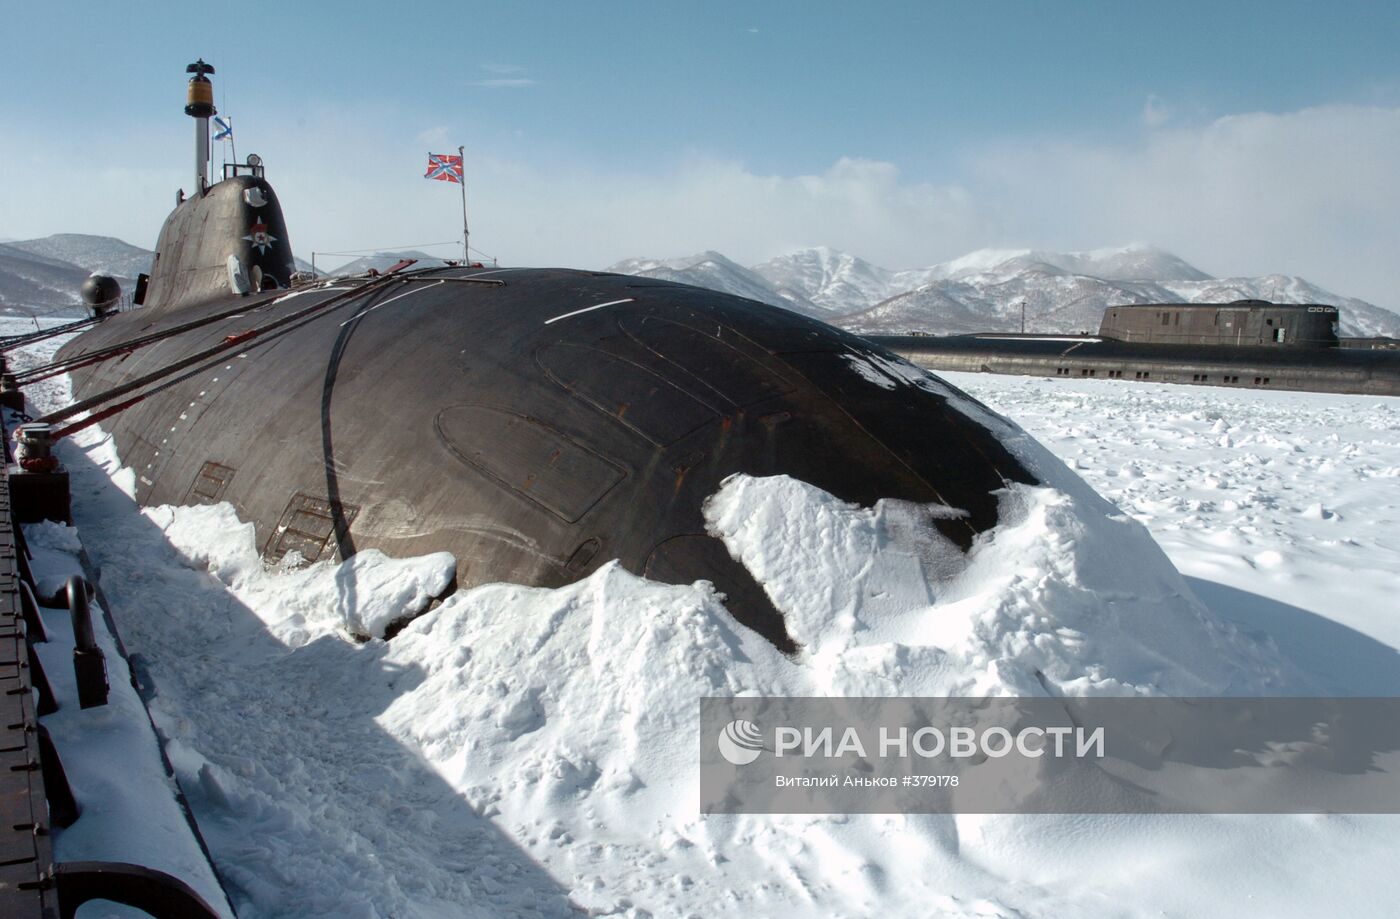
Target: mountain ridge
984, 290
42, 276
980, 291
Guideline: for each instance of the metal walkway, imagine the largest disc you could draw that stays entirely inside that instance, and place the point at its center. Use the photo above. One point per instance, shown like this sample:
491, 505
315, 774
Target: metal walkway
26, 855
34, 792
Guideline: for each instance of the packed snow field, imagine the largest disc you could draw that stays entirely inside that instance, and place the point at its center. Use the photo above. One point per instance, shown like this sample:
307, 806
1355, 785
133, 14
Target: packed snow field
1281, 508
521, 751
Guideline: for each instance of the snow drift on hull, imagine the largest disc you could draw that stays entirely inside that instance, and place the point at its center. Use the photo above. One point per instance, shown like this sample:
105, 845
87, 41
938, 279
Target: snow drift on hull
567, 716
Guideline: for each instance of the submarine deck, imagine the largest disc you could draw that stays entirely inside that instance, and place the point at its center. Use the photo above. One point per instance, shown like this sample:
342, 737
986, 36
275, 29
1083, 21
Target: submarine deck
1338, 370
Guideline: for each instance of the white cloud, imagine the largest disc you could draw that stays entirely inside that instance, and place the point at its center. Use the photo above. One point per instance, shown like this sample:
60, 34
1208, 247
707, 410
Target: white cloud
506, 82
1155, 112
588, 218
1314, 193
505, 76
434, 136
532, 214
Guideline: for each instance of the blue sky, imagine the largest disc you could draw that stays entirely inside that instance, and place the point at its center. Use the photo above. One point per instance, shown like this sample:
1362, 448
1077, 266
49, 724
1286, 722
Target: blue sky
907, 133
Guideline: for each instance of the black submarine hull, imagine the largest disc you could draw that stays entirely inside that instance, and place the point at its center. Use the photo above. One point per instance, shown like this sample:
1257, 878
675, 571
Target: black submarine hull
534, 422
1334, 370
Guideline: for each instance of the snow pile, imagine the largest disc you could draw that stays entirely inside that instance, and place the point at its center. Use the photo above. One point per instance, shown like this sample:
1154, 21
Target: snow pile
1053, 600
367, 595
1279, 507
567, 717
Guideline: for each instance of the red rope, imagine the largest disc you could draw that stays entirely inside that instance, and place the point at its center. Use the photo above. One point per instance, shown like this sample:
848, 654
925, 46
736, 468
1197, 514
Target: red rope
98, 358
95, 417
299, 317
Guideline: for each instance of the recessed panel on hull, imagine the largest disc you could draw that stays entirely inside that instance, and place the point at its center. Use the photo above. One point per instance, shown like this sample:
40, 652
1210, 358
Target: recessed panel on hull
528, 458
711, 365
636, 397
307, 527
209, 484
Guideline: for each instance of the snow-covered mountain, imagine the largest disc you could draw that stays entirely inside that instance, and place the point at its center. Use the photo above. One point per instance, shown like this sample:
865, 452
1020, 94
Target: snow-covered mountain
42, 276
985, 290
35, 284
1067, 292
1135, 262
715, 272
382, 260
981, 291
104, 254
827, 278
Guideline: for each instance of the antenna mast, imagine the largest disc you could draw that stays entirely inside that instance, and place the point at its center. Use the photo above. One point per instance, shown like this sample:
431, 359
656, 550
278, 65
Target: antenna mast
466, 235
199, 105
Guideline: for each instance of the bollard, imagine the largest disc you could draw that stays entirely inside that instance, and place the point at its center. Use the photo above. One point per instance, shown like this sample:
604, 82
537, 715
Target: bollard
89, 664
34, 448
38, 482
10, 395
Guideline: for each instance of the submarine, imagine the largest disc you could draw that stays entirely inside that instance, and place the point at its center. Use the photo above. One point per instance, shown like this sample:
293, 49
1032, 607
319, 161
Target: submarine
534, 422
1250, 344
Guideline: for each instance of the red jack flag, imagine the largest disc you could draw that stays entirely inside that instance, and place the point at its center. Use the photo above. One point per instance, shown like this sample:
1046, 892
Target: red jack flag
444, 167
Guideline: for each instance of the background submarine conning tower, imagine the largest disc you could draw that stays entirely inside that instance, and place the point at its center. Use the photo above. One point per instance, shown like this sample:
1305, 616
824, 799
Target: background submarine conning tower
228, 238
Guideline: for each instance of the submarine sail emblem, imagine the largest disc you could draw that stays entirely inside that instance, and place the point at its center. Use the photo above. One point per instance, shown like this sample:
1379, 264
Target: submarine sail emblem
259, 236
536, 423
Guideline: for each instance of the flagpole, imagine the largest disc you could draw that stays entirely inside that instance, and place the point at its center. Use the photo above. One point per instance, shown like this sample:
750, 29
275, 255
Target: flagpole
233, 143
466, 252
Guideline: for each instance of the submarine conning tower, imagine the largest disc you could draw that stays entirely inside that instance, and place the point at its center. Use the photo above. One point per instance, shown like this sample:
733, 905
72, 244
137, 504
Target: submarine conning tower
225, 238
1239, 323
